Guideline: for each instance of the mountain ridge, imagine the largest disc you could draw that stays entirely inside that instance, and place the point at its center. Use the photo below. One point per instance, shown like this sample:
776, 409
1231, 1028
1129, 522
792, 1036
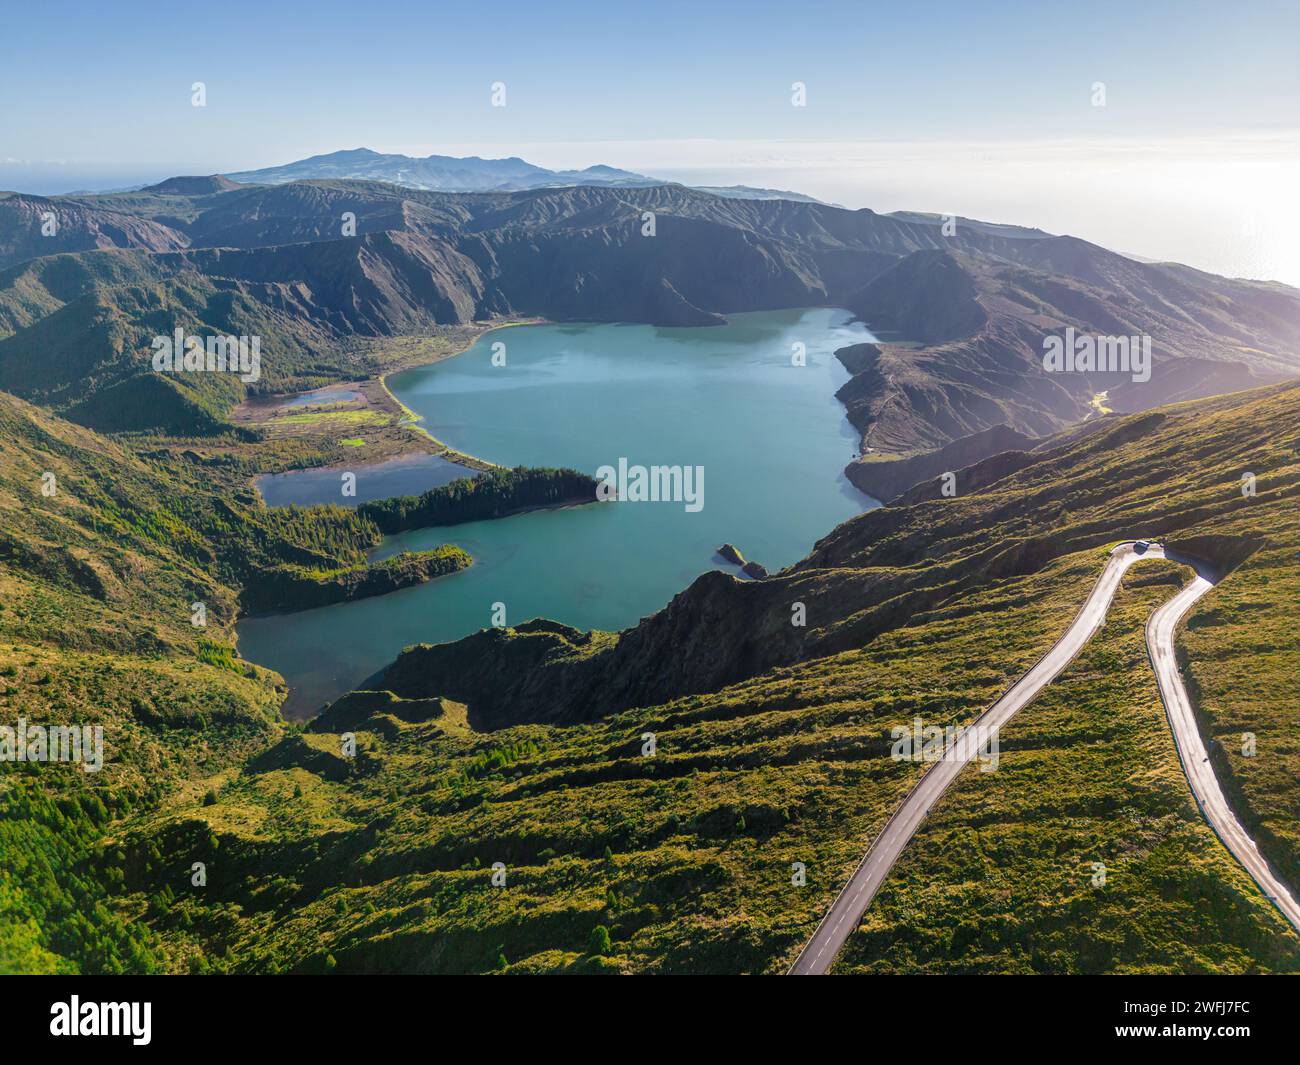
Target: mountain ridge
435, 172
312, 265
445, 173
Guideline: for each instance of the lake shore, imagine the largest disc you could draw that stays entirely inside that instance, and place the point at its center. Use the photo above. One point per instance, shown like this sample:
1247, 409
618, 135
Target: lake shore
578, 397
359, 423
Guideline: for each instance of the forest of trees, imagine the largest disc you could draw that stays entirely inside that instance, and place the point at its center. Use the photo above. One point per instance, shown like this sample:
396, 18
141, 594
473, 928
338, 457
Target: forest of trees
489, 495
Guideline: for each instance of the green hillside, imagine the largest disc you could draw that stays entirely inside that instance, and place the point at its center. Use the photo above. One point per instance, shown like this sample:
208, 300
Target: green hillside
104, 551
323, 858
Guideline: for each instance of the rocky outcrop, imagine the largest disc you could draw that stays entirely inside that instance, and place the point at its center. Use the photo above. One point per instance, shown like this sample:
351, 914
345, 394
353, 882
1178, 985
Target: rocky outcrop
730, 553
859, 358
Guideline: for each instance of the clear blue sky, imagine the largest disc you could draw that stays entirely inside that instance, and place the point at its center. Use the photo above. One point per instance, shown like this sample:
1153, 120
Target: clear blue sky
101, 83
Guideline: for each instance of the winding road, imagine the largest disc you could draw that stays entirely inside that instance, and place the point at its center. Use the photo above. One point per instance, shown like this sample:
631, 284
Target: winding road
835, 928
1191, 747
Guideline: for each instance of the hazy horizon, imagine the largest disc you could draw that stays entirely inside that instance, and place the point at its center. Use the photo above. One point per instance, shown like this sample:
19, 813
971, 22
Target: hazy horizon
1219, 204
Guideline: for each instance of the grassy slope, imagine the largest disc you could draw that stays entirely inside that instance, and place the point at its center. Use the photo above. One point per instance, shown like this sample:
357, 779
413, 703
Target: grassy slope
701, 837
96, 587
686, 857
1241, 655
1000, 876
316, 861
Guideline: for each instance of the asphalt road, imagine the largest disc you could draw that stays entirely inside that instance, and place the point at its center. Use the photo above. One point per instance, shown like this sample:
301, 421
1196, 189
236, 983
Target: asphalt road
819, 954
1191, 747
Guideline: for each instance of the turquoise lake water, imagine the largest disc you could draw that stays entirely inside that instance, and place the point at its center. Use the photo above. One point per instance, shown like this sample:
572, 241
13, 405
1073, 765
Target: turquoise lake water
771, 437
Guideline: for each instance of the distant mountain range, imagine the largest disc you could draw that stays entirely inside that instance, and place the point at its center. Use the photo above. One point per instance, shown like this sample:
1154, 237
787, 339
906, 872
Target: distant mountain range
440, 173
446, 173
